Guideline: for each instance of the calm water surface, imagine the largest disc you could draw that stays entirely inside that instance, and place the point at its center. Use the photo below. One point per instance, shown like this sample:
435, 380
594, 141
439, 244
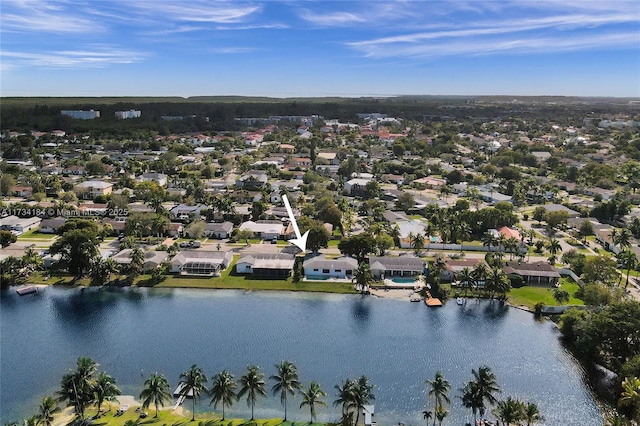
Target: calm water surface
397, 344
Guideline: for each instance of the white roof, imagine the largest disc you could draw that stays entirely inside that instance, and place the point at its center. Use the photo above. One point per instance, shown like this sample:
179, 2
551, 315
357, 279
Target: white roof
263, 228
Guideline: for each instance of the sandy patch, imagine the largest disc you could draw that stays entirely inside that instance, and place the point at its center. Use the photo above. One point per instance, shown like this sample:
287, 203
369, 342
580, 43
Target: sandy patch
393, 294
128, 399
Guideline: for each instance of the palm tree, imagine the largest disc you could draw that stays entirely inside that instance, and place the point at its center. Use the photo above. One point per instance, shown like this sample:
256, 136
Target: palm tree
488, 240
77, 387
417, 243
480, 271
137, 259
105, 389
46, 410
312, 396
156, 391
362, 394
623, 238
554, 247
630, 396
428, 233
500, 242
497, 282
286, 382
509, 411
439, 391
511, 244
463, 232
487, 386
345, 396
466, 278
441, 414
627, 260
471, 399
532, 414
193, 381
223, 390
252, 384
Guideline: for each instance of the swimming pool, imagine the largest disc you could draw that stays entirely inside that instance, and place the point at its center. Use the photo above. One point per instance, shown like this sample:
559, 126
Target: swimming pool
403, 280
317, 278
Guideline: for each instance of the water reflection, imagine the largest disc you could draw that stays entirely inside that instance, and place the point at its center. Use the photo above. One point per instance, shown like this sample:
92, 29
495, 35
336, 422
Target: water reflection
396, 343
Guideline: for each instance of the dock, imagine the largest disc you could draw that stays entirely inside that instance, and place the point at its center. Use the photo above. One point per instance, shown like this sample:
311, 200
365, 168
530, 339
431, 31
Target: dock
26, 289
432, 302
178, 391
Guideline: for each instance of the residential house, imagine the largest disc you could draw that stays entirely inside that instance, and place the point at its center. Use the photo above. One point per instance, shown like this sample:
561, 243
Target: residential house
319, 267
152, 258
50, 226
254, 179
18, 225
200, 263
175, 229
275, 265
159, 178
559, 207
218, 230
22, 191
390, 266
353, 186
300, 162
391, 178
184, 212
534, 273
454, 266
605, 194
264, 229
91, 189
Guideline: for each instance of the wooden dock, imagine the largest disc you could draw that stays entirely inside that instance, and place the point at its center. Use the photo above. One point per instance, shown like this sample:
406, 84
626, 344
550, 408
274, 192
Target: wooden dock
432, 302
26, 289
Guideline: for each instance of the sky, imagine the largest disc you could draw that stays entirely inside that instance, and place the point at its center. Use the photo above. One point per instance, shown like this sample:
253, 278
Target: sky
319, 48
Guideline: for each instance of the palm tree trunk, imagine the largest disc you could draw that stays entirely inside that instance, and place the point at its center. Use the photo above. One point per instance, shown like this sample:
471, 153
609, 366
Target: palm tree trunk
285, 407
193, 413
627, 283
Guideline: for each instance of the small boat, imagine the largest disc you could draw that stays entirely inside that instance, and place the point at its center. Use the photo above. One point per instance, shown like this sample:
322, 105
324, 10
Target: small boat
28, 289
415, 299
459, 300
433, 302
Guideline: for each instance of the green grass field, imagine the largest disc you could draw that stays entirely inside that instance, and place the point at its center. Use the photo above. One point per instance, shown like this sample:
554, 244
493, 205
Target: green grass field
168, 417
35, 235
530, 295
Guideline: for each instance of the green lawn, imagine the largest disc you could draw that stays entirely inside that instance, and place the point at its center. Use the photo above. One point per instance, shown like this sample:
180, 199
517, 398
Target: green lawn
35, 235
168, 417
231, 280
530, 295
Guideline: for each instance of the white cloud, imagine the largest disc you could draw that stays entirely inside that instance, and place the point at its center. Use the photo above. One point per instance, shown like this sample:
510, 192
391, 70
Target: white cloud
91, 58
512, 45
40, 16
198, 11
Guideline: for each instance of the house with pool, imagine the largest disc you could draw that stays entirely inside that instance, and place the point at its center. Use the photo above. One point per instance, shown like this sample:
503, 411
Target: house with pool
274, 265
396, 267
318, 267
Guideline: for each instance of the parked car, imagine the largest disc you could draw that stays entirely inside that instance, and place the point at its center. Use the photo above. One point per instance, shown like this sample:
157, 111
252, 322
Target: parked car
194, 243
184, 244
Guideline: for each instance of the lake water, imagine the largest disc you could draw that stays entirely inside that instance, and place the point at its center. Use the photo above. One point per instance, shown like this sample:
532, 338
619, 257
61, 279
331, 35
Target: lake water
397, 344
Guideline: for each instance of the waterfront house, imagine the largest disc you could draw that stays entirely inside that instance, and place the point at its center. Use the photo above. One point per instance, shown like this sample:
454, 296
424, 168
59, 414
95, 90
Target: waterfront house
261, 265
454, 266
534, 273
200, 262
391, 266
152, 258
319, 267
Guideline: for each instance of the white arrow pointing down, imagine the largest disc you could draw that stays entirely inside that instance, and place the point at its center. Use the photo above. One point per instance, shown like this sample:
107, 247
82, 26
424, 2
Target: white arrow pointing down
300, 240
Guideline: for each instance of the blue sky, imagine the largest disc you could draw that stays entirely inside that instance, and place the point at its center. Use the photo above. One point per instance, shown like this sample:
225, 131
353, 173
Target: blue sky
319, 48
